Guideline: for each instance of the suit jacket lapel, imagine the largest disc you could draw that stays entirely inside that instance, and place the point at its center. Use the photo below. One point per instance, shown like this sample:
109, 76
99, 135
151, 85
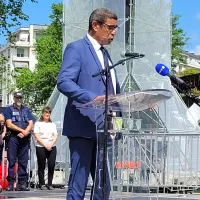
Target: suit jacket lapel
94, 56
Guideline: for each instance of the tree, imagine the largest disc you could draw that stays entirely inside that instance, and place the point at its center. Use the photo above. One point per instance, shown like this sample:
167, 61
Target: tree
48, 50
2, 69
179, 40
189, 71
2, 64
11, 14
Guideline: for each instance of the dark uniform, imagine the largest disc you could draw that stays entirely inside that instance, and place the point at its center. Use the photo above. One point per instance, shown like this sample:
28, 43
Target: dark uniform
18, 147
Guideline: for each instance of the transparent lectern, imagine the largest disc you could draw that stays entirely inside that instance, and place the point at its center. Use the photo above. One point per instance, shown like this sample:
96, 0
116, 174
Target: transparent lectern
134, 163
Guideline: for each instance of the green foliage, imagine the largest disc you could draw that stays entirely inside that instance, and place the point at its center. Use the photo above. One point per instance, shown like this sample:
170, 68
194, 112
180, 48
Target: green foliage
2, 63
55, 30
2, 68
196, 92
5, 76
10, 14
39, 84
179, 40
189, 71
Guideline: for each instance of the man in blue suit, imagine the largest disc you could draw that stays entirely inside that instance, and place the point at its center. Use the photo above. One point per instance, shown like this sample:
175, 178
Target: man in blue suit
81, 60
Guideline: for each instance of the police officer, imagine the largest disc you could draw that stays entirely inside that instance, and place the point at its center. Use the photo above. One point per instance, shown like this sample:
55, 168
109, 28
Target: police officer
19, 123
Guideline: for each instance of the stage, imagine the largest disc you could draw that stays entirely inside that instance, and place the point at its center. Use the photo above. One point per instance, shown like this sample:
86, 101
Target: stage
36, 194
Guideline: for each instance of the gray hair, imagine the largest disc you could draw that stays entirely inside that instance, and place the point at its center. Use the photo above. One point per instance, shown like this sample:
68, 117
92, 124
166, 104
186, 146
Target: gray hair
101, 15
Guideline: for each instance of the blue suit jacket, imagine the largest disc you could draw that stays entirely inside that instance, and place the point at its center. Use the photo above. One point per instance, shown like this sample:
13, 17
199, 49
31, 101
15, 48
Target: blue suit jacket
75, 80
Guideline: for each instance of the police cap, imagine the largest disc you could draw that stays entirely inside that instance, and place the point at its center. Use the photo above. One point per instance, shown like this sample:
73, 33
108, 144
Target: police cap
18, 94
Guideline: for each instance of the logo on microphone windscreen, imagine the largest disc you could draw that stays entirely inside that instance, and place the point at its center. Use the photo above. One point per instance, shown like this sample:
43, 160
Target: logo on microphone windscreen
162, 69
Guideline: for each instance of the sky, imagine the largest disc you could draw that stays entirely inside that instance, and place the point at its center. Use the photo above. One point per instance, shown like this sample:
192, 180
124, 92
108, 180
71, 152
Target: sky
189, 21
38, 14
188, 9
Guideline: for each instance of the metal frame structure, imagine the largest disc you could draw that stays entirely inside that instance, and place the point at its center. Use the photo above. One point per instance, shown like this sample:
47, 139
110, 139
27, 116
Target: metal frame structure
161, 133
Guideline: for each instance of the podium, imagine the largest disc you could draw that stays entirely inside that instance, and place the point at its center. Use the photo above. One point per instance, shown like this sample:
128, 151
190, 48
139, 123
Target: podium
133, 101
130, 160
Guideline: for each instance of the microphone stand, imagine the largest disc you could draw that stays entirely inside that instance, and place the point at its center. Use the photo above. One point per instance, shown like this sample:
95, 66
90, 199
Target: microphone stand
106, 72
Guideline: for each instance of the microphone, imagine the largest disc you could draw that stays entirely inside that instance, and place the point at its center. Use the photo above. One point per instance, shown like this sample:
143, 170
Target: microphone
164, 71
136, 55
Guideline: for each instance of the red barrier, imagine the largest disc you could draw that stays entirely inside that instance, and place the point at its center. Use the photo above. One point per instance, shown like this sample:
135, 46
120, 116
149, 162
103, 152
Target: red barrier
127, 164
3, 181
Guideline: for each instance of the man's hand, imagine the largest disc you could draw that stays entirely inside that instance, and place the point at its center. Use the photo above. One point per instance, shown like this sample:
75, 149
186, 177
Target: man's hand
21, 135
113, 135
99, 99
25, 133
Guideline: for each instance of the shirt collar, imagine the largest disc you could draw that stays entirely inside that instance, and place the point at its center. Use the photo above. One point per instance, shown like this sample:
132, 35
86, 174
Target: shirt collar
95, 44
14, 105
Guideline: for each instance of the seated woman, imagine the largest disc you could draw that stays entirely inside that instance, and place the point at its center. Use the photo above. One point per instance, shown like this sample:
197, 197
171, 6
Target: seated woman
2, 134
46, 135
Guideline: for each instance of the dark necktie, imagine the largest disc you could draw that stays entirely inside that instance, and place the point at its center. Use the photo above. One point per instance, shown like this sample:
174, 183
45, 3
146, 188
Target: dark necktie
106, 64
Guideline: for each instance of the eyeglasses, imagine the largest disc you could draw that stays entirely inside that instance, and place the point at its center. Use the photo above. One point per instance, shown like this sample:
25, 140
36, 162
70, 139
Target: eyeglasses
47, 112
18, 97
111, 27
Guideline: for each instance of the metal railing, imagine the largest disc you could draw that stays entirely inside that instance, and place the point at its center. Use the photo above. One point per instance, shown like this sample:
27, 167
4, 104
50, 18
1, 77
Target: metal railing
155, 160
147, 160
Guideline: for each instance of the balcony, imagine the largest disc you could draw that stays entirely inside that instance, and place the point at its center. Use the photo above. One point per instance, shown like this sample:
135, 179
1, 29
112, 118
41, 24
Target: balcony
22, 44
193, 63
21, 64
20, 59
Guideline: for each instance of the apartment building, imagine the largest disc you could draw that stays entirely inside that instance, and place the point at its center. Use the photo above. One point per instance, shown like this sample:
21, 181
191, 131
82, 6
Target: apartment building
19, 55
192, 59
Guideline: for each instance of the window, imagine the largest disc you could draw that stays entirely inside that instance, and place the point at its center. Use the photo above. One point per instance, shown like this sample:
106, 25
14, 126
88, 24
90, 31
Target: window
39, 35
20, 52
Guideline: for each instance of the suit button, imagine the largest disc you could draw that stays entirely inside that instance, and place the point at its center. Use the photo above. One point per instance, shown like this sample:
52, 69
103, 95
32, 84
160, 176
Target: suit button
99, 79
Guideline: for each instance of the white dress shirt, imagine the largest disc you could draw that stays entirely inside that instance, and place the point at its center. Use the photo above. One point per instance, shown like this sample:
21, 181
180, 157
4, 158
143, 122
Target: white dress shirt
99, 53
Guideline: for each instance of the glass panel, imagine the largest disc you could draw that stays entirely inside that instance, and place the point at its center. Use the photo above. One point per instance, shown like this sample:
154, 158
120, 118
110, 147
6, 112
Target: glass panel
152, 154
